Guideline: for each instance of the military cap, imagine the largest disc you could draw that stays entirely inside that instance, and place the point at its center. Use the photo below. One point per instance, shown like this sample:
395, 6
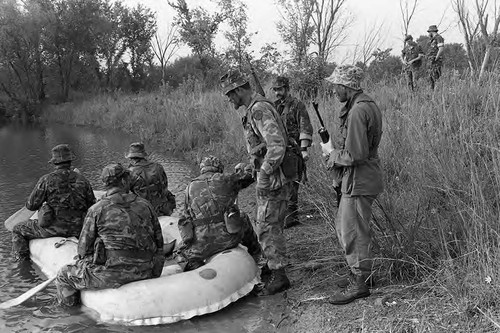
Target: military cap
232, 80
61, 153
136, 149
408, 37
281, 81
347, 75
432, 28
112, 172
211, 164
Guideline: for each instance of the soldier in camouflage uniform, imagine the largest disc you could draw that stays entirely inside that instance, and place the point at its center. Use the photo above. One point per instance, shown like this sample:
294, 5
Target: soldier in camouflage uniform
412, 55
149, 180
211, 221
266, 140
299, 129
62, 198
121, 241
434, 55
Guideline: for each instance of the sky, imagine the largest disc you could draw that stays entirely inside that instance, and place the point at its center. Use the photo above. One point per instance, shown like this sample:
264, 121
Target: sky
264, 14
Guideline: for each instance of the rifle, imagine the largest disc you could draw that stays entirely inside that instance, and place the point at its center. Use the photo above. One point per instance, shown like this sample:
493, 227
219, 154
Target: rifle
258, 86
323, 133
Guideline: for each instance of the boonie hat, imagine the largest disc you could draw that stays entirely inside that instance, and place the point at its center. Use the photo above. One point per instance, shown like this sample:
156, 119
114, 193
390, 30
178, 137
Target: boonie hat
211, 164
280, 82
408, 37
232, 80
347, 75
136, 149
432, 28
112, 172
61, 153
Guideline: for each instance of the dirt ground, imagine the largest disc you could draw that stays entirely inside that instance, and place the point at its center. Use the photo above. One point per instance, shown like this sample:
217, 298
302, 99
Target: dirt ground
317, 263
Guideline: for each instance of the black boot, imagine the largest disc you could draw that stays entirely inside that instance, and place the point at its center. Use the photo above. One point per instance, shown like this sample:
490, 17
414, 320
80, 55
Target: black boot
357, 290
277, 283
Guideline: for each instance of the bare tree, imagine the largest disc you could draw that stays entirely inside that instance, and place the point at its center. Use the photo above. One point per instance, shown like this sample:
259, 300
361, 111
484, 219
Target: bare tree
408, 8
490, 39
164, 49
372, 40
469, 30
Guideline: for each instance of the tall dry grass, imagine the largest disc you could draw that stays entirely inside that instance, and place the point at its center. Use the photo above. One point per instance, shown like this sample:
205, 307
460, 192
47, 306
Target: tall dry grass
439, 215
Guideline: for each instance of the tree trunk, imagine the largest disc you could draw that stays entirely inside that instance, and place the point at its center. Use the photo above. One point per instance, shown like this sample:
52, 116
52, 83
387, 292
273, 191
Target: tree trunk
485, 60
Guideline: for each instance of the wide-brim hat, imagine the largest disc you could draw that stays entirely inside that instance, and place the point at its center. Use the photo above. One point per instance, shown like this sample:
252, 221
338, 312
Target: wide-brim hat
280, 82
62, 153
211, 164
232, 80
112, 172
432, 28
136, 149
347, 75
408, 37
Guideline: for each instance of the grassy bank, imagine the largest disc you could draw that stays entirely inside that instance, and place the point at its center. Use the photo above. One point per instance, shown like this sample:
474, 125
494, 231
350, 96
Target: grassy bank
436, 223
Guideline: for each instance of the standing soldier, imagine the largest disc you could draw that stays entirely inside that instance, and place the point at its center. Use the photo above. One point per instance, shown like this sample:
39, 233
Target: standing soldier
434, 55
412, 55
266, 144
211, 221
61, 197
121, 241
358, 161
299, 129
149, 180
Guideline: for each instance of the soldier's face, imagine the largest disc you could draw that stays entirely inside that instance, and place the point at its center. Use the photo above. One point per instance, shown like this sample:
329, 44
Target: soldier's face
341, 92
281, 92
234, 98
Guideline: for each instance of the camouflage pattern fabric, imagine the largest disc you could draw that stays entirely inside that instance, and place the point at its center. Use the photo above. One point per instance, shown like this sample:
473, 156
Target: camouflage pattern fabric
434, 66
131, 241
264, 128
202, 223
410, 52
347, 75
68, 194
149, 181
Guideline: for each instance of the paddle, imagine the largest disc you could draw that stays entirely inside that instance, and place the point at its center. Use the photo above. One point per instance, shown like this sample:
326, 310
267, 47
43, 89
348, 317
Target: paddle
21, 215
27, 295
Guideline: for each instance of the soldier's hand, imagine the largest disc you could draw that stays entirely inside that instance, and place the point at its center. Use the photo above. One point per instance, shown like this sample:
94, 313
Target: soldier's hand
326, 148
305, 155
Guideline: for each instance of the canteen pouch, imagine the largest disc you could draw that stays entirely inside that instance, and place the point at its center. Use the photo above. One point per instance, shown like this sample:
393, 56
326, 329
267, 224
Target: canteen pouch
232, 219
45, 215
290, 164
99, 252
186, 230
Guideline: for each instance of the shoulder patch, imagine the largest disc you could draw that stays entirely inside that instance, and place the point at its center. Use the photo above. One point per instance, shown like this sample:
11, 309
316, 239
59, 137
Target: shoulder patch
257, 115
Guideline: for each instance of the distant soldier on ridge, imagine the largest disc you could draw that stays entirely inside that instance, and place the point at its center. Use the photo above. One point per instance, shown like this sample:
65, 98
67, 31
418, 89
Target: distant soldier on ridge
434, 55
412, 55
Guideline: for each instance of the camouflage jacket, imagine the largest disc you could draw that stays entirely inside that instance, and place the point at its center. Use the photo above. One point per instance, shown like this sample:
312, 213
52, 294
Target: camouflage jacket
361, 129
68, 193
434, 44
411, 51
296, 119
266, 142
122, 221
149, 181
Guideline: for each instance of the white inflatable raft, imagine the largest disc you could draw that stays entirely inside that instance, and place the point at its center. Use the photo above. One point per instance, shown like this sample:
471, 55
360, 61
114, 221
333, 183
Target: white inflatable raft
172, 297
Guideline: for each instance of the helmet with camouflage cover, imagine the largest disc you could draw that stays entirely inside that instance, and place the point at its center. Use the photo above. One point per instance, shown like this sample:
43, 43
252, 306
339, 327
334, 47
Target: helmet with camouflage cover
211, 164
113, 172
347, 75
61, 153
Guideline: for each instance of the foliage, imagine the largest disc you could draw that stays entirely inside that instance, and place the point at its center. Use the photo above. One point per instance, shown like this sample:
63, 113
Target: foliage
384, 65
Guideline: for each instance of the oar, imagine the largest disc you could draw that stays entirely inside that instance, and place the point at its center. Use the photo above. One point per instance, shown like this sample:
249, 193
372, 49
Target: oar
27, 295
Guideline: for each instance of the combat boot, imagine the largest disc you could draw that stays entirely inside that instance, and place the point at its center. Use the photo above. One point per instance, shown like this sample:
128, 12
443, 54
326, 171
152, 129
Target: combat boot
358, 289
277, 283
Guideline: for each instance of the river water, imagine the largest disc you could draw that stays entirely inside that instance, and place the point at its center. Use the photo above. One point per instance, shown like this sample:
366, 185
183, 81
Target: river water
24, 152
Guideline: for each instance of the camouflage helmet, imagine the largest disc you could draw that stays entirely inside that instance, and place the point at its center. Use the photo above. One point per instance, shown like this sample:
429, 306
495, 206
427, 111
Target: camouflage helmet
280, 82
347, 75
211, 164
61, 153
408, 37
113, 172
232, 80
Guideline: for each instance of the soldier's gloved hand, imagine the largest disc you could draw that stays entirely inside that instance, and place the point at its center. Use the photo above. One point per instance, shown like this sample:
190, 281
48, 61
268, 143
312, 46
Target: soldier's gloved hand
305, 155
326, 148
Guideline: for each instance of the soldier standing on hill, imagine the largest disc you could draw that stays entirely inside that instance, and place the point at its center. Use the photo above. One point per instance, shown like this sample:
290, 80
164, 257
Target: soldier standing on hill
412, 59
434, 55
266, 143
299, 129
358, 161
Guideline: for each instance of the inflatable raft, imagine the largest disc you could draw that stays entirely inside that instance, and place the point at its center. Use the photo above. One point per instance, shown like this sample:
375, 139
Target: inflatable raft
172, 297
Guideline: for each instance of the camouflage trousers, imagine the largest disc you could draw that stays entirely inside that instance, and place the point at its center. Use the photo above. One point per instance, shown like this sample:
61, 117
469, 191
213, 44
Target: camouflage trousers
434, 72
271, 210
412, 75
86, 275
292, 209
23, 232
214, 238
354, 232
